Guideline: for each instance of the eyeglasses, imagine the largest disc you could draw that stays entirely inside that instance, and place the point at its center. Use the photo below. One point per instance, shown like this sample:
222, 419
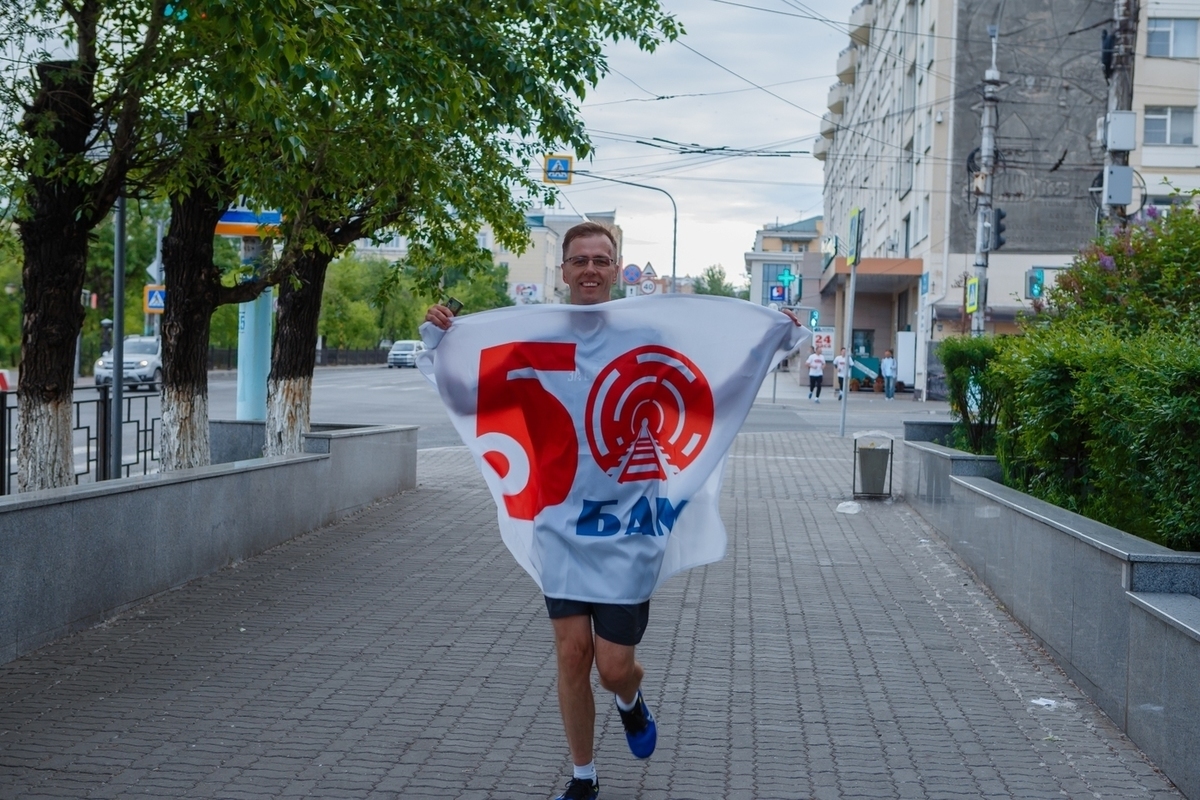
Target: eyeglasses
603, 262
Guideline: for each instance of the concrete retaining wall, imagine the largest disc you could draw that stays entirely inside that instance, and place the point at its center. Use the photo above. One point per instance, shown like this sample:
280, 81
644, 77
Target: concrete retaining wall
1119, 614
72, 557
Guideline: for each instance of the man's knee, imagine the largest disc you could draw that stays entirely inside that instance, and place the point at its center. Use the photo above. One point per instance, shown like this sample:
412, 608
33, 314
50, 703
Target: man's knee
617, 666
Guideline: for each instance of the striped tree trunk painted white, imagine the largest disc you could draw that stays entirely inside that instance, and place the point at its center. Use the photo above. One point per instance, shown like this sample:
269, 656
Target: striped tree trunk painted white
45, 459
289, 402
184, 441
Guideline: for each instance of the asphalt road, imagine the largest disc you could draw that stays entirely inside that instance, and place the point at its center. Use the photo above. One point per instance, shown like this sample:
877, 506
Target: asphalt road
402, 396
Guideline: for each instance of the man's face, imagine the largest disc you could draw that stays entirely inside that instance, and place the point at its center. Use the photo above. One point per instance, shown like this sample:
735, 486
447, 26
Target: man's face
590, 283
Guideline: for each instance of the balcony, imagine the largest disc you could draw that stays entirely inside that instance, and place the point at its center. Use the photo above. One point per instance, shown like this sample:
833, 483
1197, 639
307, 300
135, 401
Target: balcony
847, 64
861, 17
829, 124
820, 149
836, 101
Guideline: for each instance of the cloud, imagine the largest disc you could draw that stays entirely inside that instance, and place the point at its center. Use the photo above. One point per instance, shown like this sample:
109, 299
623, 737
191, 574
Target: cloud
722, 201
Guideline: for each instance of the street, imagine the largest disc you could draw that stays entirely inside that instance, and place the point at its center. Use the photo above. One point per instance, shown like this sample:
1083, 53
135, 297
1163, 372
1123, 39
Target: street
376, 394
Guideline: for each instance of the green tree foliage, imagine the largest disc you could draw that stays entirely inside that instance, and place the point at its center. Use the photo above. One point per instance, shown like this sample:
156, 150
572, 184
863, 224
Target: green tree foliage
1102, 394
368, 301
712, 281
974, 392
10, 297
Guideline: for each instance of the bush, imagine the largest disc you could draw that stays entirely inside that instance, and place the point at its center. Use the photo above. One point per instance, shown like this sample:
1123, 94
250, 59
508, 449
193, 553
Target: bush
974, 391
1107, 425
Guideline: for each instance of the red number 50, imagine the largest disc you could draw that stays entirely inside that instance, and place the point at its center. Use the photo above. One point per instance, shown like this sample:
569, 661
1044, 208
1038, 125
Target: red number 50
534, 447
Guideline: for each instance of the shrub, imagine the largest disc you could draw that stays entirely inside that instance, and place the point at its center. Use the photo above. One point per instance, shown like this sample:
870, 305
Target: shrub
1108, 425
974, 391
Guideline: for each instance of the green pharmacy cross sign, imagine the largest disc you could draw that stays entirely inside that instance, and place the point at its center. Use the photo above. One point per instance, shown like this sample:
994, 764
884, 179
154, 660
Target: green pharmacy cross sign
786, 277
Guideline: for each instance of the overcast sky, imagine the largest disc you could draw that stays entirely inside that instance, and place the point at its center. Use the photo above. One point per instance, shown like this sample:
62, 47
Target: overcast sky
722, 200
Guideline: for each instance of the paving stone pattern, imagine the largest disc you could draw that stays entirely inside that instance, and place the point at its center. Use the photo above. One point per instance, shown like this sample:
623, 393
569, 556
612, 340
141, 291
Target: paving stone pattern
403, 654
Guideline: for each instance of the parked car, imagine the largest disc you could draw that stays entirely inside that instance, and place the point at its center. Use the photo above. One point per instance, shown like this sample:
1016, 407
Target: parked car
142, 363
404, 353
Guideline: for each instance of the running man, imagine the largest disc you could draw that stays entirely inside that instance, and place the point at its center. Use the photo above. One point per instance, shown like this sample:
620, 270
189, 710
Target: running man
586, 633
816, 373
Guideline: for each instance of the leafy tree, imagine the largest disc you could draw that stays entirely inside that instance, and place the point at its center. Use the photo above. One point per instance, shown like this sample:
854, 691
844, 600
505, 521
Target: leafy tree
82, 137
712, 281
456, 110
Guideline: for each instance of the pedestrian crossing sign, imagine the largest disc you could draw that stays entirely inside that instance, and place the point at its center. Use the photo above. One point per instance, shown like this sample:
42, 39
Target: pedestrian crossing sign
559, 169
154, 298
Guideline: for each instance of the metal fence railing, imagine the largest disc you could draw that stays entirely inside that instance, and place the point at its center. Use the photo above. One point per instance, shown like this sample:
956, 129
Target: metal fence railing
226, 357
90, 415
351, 358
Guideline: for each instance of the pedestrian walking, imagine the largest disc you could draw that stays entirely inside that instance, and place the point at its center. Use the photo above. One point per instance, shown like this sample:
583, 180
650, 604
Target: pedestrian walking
588, 633
887, 368
842, 364
816, 373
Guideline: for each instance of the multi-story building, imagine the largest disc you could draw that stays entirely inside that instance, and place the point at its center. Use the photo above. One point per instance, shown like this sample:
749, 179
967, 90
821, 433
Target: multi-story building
781, 249
1166, 92
901, 136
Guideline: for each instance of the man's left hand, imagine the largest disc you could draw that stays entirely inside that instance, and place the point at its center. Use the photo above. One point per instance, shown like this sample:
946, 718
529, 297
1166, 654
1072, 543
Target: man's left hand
791, 316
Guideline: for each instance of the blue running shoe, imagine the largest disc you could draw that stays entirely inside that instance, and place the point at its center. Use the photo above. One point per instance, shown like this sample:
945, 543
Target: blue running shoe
640, 730
580, 789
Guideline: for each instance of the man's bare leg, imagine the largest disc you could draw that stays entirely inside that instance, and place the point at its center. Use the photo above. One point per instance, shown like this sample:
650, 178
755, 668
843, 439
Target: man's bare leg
576, 652
620, 672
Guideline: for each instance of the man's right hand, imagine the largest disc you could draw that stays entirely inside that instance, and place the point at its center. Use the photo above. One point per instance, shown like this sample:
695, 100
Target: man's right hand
440, 315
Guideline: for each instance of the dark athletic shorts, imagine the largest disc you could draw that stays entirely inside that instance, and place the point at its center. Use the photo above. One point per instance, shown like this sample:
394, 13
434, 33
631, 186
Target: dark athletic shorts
617, 624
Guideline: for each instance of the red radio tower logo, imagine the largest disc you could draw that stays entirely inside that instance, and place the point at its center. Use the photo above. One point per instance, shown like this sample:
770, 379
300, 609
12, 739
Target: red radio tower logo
649, 414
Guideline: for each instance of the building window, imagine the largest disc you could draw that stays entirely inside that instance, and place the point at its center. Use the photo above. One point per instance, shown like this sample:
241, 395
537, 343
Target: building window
862, 343
1171, 38
1169, 125
787, 247
906, 170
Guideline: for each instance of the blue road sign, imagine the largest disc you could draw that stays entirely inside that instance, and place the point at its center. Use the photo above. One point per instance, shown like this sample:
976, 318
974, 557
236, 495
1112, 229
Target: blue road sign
632, 274
154, 298
559, 169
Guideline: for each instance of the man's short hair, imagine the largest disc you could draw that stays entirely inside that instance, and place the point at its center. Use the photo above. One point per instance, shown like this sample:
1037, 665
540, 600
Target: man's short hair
587, 229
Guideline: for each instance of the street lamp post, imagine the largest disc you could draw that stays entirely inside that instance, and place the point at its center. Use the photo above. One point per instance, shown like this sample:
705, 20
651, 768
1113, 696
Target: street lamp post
674, 209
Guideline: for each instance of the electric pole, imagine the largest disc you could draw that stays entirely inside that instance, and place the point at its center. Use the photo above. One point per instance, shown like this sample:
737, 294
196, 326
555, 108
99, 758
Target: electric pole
1116, 55
982, 188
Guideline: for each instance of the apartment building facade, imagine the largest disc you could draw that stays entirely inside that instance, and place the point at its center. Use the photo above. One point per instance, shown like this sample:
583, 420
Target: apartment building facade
900, 139
1166, 94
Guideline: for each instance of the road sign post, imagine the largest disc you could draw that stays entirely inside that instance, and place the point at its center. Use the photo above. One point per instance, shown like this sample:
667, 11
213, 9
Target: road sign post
254, 344
853, 256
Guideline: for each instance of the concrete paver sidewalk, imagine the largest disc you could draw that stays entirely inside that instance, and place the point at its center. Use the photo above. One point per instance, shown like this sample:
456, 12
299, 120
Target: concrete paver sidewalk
402, 653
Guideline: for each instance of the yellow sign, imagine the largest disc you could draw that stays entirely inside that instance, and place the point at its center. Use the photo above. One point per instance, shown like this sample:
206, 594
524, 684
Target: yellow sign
154, 298
559, 169
972, 295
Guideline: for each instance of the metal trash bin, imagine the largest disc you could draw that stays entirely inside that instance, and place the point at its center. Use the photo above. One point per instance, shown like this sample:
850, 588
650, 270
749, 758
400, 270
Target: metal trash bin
873, 451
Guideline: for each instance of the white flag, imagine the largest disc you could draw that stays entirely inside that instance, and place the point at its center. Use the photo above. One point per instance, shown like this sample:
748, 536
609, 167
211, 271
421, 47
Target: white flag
602, 430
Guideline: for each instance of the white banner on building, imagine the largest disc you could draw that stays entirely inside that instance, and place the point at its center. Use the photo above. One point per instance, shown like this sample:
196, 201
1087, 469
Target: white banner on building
602, 431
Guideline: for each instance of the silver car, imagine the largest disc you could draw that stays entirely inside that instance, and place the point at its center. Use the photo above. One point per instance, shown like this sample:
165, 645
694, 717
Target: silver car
404, 353
142, 363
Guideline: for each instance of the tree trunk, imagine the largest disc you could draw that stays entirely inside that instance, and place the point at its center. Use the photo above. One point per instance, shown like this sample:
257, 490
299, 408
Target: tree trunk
54, 223
193, 285
289, 387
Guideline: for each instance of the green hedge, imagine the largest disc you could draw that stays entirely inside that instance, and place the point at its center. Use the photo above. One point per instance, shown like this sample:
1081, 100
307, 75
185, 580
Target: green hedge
973, 389
1106, 423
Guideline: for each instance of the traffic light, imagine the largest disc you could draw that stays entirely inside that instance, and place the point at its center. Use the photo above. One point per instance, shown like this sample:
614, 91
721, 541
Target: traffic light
813, 316
1035, 283
998, 215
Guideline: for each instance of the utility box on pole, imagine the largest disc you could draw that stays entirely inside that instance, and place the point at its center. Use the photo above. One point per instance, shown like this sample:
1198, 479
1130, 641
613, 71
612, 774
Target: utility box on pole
1120, 131
1118, 185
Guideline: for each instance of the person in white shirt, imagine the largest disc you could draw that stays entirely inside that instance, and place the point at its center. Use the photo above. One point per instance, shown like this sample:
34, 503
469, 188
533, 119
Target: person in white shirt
816, 372
887, 368
841, 364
